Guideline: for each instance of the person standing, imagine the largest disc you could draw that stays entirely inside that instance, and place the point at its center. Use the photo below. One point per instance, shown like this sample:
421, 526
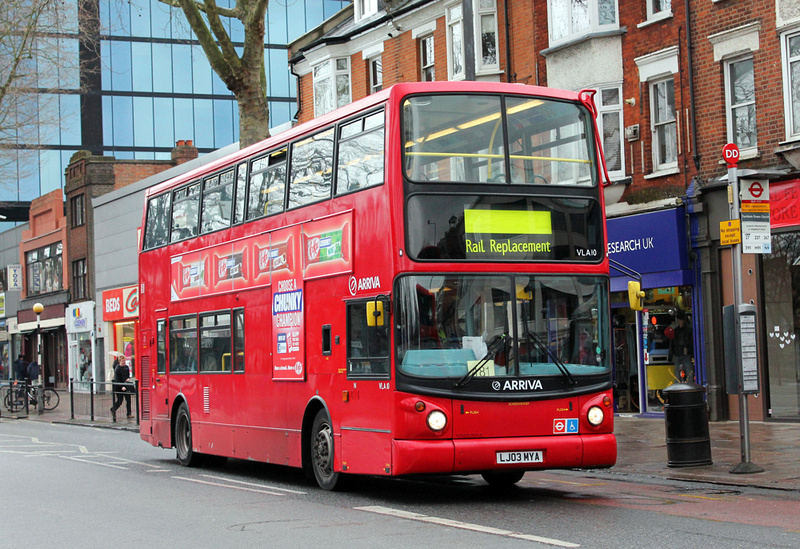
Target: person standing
20, 368
33, 371
120, 387
683, 349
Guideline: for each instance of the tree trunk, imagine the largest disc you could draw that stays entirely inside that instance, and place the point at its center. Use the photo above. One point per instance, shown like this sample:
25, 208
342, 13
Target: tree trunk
253, 114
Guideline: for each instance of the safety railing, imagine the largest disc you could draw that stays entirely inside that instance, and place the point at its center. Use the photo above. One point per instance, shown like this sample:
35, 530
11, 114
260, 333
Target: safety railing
94, 400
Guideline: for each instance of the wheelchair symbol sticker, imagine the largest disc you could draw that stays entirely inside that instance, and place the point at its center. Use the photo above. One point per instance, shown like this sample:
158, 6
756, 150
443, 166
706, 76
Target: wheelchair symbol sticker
565, 426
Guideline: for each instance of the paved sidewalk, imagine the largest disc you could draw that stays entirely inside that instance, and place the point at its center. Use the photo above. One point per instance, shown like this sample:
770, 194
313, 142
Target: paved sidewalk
642, 449
775, 447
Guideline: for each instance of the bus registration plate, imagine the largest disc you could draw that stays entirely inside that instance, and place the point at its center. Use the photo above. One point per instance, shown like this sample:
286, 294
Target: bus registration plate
525, 456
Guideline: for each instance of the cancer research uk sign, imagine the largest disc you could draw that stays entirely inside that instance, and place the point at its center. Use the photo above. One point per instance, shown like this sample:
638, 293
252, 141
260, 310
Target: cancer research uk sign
652, 242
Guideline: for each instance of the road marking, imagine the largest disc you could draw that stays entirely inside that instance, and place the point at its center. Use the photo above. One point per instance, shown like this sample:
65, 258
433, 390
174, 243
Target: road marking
90, 462
462, 525
243, 488
252, 484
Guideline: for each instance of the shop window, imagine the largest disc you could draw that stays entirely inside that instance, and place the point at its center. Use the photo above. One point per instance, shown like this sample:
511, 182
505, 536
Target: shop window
367, 346
44, 269
124, 337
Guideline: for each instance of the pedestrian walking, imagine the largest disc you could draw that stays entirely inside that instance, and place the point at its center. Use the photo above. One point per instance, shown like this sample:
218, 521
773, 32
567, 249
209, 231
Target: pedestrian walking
121, 387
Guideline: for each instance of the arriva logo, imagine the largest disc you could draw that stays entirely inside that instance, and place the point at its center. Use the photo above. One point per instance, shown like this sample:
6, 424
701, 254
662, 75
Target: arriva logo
518, 385
367, 283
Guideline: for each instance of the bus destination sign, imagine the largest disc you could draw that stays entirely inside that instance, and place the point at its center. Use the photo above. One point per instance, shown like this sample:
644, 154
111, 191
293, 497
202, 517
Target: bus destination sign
507, 234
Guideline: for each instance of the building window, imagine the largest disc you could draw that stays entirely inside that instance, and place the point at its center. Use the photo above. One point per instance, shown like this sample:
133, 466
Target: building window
791, 79
486, 19
665, 136
574, 18
609, 120
658, 9
375, 75
79, 279
428, 72
331, 85
76, 211
365, 8
455, 42
740, 102
44, 269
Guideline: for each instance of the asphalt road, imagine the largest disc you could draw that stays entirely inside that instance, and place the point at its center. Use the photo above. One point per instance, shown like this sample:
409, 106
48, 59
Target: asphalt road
67, 486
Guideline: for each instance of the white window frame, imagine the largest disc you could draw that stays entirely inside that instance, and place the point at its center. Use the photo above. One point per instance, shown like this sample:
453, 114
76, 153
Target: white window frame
730, 107
485, 8
611, 108
365, 8
660, 164
655, 14
454, 20
791, 96
591, 25
375, 65
431, 65
332, 68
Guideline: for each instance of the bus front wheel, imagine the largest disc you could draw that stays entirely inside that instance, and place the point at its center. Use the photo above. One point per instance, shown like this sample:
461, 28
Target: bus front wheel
322, 452
183, 439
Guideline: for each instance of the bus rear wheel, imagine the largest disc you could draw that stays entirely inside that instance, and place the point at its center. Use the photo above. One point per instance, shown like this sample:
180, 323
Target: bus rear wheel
322, 453
502, 478
183, 439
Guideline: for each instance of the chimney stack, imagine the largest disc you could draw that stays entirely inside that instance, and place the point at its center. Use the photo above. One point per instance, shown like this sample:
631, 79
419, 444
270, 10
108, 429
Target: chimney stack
184, 151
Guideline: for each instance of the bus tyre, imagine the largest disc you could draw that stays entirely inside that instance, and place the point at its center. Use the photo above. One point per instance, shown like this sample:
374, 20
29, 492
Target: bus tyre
502, 478
322, 452
183, 439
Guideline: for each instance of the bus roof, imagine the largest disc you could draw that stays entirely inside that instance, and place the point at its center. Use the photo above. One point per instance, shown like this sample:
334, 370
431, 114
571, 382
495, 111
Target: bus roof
394, 92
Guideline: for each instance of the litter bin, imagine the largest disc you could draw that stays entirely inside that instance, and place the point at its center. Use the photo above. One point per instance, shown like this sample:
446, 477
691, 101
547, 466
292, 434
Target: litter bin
686, 416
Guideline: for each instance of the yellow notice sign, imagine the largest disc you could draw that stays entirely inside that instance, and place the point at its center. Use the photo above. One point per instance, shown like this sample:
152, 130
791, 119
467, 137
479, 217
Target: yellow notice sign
507, 222
730, 232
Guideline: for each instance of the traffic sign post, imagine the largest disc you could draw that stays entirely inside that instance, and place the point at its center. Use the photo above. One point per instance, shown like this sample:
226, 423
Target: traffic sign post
730, 153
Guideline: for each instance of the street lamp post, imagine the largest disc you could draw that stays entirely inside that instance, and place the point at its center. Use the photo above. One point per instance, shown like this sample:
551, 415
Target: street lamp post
38, 308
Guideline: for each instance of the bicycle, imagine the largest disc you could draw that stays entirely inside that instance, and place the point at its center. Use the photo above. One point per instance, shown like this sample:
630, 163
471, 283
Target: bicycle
18, 392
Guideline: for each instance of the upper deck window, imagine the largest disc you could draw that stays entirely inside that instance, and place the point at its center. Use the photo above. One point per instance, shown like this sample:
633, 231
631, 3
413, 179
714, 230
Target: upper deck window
267, 185
490, 139
217, 201
360, 158
185, 212
312, 169
156, 231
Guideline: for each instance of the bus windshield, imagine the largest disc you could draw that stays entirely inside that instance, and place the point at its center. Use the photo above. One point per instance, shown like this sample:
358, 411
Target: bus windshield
497, 139
516, 325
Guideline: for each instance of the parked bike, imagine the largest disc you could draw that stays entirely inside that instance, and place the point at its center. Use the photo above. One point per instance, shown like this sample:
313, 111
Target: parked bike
18, 392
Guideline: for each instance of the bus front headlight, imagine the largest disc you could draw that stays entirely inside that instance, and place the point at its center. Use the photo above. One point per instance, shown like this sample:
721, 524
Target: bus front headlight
595, 416
437, 421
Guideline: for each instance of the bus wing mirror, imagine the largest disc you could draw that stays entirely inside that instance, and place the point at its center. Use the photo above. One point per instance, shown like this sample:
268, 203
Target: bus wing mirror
375, 313
635, 295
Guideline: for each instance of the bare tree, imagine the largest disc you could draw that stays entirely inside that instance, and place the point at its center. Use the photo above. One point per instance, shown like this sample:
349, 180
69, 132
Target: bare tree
38, 57
244, 74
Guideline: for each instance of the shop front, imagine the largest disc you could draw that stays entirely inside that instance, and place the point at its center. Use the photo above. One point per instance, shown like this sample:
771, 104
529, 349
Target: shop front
656, 347
781, 275
121, 318
80, 341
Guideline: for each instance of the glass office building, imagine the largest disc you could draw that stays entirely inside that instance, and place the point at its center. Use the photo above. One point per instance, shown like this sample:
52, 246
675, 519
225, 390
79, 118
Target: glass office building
139, 83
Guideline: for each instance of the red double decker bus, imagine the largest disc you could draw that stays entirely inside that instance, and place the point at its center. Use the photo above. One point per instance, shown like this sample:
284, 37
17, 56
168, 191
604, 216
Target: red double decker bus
414, 283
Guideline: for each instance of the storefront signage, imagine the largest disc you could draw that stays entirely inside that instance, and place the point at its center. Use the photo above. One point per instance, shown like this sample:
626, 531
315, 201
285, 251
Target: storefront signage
2, 304
80, 317
15, 278
652, 244
784, 205
121, 303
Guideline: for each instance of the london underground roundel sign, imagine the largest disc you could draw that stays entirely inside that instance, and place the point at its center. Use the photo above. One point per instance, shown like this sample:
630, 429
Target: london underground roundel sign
730, 153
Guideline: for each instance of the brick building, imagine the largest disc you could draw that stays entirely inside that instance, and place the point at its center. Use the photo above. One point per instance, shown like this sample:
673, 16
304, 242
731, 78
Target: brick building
675, 81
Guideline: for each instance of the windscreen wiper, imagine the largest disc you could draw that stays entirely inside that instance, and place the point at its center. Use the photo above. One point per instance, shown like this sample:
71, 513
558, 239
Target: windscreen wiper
530, 336
494, 346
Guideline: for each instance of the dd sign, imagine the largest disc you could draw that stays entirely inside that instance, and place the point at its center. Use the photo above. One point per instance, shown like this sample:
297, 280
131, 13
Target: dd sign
730, 154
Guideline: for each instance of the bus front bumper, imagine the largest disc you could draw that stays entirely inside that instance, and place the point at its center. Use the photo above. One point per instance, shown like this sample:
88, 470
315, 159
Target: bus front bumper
473, 455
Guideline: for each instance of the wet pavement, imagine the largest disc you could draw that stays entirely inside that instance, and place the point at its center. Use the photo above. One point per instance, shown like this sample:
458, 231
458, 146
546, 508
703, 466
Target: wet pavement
642, 449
